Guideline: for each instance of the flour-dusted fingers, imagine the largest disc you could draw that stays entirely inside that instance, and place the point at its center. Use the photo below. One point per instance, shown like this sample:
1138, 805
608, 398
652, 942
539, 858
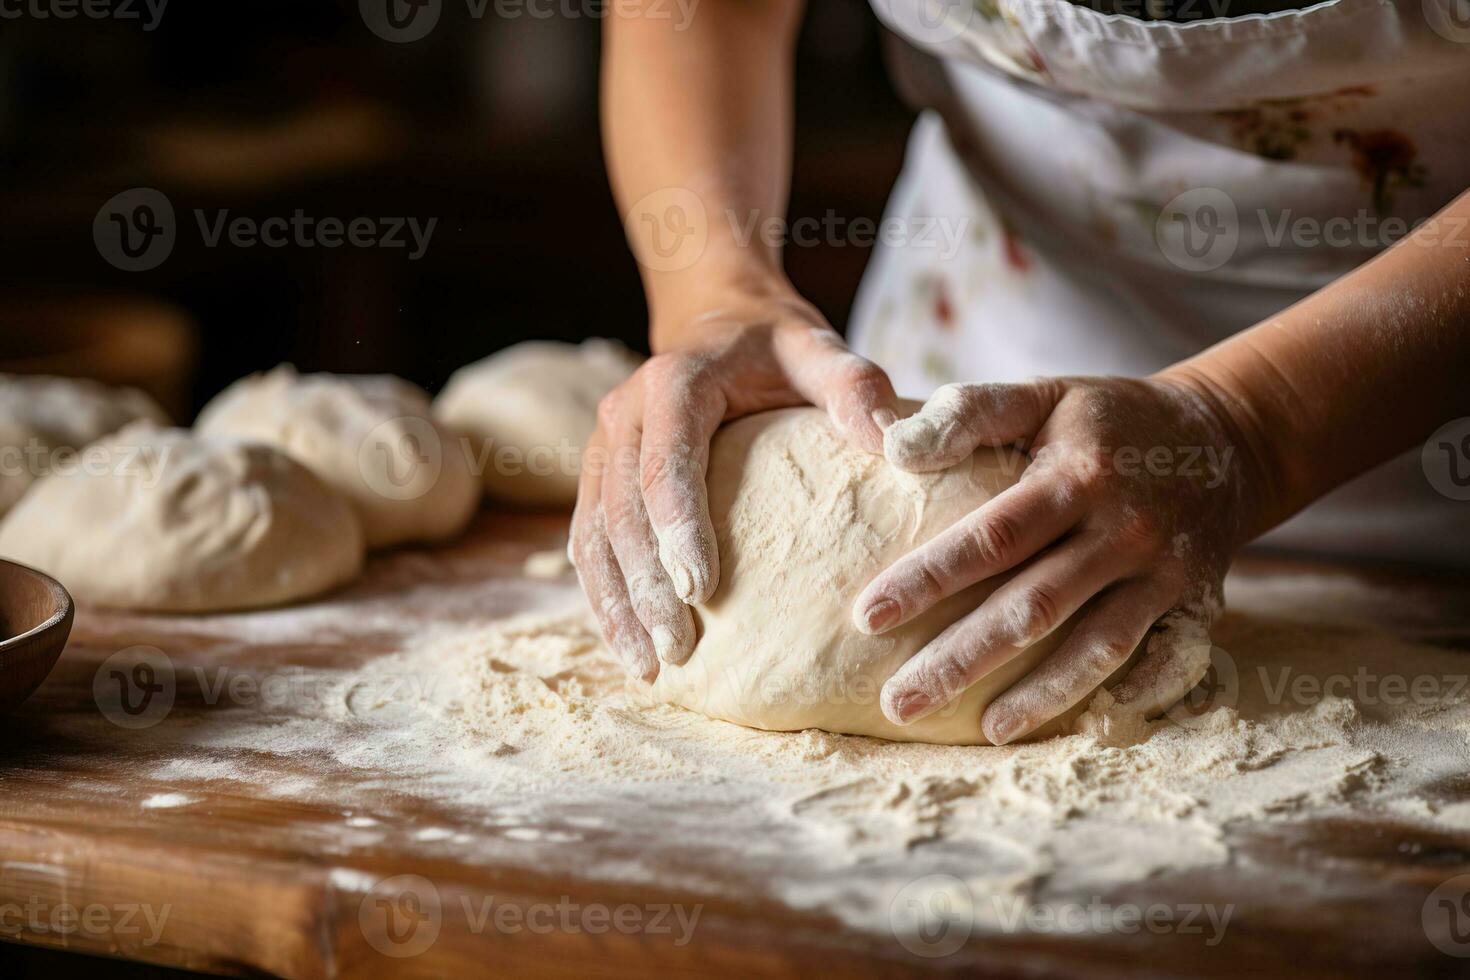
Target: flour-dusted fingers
601, 578
1020, 613
1177, 658
959, 418
682, 409
664, 616
854, 391
995, 538
1101, 642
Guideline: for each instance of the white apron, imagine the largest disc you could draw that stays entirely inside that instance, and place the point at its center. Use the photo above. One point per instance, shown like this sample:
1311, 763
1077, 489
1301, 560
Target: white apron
1097, 194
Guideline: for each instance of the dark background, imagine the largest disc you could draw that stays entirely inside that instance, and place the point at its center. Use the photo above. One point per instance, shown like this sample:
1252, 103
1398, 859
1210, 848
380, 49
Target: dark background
489, 125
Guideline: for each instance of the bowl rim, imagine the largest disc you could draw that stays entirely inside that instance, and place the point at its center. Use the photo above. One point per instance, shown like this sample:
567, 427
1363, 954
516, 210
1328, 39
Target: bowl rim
64, 607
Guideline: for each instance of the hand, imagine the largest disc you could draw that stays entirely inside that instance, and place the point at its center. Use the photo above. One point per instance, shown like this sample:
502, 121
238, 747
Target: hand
1134, 503
642, 541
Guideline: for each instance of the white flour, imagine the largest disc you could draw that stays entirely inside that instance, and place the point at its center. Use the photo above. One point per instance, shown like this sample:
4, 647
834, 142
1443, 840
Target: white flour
523, 728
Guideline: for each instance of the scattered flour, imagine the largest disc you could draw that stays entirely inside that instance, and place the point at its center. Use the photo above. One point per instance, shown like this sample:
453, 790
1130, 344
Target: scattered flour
524, 731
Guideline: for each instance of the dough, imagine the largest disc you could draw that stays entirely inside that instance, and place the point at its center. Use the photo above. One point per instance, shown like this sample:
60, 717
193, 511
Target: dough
370, 437
530, 409
44, 420
804, 522
174, 522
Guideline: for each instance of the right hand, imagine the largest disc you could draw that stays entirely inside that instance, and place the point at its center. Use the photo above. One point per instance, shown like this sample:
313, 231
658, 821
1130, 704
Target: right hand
642, 541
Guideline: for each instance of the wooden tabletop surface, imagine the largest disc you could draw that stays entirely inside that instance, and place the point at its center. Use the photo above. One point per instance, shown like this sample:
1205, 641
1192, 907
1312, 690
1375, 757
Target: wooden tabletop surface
260, 885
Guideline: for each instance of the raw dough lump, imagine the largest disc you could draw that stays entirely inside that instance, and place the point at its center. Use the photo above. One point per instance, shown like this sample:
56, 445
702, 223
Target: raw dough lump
370, 437
804, 522
530, 409
162, 519
44, 420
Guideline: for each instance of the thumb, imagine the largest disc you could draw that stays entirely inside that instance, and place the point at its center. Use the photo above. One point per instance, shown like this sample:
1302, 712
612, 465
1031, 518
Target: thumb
959, 418
855, 392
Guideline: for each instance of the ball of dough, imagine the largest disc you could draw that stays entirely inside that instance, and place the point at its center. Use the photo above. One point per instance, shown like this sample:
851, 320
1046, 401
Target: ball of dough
370, 437
164, 520
45, 420
530, 409
804, 522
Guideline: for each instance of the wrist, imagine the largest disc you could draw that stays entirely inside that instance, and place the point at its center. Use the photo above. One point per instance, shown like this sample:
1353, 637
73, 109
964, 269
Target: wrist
679, 317
1257, 470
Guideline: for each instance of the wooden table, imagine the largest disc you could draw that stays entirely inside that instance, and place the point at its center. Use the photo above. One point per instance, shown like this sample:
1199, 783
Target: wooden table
262, 885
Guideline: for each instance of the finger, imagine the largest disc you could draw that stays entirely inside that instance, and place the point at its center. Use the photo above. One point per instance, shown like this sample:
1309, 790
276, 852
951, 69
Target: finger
854, 391
959, 418
1020, 613
1178, 657
680, 417
1101, 642
666, 619
997, 536
601, 578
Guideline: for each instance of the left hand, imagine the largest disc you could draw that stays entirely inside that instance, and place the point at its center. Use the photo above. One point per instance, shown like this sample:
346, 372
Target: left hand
1136, 499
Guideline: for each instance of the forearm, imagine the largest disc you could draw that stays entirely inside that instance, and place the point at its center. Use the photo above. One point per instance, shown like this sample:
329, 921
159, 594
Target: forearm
705, 110
1353, 374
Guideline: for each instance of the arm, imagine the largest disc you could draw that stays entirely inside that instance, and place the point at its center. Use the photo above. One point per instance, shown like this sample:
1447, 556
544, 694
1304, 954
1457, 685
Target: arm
697, 124
1353, 374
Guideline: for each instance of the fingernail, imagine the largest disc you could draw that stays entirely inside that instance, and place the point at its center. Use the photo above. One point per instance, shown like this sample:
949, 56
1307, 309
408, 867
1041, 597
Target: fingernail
901, 709
879, 616
664, 643
688, 558
884, 417
1001, 729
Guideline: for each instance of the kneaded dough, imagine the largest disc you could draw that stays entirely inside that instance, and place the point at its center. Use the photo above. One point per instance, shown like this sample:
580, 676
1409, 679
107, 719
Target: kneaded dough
370, 437
44, 420
804, 522
530, 409
166, 520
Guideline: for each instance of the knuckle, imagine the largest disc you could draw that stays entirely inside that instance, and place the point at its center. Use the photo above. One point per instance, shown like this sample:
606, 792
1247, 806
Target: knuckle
1105, 656
610, 409
1138, 531
1035, 612
670, 466
995, 539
